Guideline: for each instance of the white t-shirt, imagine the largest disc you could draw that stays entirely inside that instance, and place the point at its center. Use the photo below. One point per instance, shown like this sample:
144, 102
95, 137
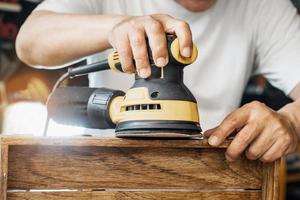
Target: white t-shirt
235, 39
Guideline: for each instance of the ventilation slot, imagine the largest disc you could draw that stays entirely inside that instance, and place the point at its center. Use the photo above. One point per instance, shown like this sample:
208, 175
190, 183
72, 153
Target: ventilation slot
116, 56
143, 107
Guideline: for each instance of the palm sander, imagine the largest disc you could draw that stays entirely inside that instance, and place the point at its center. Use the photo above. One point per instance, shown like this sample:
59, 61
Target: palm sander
159, 106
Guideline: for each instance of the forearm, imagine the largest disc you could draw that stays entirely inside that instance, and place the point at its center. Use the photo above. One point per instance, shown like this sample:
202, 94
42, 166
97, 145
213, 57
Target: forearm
49, 38
292, 110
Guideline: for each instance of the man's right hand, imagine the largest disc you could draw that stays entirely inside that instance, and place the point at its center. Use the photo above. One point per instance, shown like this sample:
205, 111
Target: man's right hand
129, 38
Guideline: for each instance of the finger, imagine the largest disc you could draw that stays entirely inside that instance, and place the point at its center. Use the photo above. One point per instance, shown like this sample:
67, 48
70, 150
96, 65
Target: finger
181, 29
140, 53
242, 141
233, 121
184, 34
158, 43
125, 54
261, 144
276, 151
209, 132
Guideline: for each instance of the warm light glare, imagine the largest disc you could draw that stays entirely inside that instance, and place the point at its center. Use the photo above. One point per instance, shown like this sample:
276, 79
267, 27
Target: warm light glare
29, 119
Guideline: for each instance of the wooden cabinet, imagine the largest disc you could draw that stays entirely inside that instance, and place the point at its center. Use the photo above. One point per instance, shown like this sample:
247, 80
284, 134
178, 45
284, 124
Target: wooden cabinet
82, 168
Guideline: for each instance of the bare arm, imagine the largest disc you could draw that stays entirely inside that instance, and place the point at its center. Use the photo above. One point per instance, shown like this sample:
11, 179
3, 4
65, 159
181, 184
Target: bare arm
49, 38
292, 110
295, 94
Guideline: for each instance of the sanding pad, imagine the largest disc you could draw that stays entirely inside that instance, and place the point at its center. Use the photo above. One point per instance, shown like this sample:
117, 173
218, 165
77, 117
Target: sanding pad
158, 129
158, 134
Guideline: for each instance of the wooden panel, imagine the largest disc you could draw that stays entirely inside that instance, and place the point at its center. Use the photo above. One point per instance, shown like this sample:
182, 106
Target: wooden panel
250, 195
270, 182
59, 167
3, 170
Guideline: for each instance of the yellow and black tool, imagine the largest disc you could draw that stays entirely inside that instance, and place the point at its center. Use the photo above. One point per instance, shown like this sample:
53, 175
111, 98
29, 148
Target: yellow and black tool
158, 106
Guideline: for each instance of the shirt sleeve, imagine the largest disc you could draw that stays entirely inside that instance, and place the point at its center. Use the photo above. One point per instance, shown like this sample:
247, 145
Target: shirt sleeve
71, 6
278, 43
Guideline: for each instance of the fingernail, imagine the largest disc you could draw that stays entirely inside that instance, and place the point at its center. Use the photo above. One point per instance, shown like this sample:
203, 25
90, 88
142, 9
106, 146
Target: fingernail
187, 52
228, 158
213, 140
161, 62
207, 133
144, 72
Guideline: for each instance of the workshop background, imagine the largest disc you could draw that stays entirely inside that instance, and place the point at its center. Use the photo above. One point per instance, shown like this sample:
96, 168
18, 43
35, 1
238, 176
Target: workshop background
24, 90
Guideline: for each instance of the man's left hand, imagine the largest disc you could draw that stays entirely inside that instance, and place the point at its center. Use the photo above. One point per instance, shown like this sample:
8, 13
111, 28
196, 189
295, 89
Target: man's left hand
261, 132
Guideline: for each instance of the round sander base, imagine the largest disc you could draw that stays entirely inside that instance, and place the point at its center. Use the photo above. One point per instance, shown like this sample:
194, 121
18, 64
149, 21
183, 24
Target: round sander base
158, 129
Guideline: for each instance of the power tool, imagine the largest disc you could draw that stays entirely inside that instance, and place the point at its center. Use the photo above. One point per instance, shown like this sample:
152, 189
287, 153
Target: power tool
158, 106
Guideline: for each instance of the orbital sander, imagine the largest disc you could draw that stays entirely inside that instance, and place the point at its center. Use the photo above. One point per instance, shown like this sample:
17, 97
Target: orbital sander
158, 106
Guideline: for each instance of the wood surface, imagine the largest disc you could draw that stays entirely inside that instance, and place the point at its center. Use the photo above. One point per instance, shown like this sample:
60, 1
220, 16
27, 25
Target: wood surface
270, 184
108, 142
109, 168
247, 195
60, 167
3, 170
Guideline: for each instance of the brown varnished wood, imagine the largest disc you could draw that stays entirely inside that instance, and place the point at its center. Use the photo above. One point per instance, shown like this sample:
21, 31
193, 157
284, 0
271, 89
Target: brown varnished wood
130, 169
108, 142
249, 195
270, 182
3, 170
46, 167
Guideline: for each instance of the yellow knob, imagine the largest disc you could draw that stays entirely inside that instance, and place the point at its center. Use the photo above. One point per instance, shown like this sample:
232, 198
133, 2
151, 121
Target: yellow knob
175, 50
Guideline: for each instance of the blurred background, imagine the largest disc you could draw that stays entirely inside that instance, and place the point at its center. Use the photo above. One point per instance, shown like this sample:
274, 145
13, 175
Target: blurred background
24, 90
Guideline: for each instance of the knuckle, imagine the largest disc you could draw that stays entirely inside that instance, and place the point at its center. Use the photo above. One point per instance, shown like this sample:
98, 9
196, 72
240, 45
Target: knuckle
270, 116
287, 139
183, 24
255, 105
124, 52
155, 27
232, 120
278, 128
245, 136
267, 158
147, 18
137, 41
252, 153
232, 153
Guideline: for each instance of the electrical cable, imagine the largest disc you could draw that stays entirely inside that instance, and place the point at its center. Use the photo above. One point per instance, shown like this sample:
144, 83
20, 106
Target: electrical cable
57, 84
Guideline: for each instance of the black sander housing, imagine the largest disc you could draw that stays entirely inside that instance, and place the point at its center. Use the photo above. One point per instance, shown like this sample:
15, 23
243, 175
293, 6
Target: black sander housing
158, 106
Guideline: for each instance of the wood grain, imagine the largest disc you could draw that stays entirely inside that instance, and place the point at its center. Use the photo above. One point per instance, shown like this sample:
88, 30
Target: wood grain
67, 167
108, 142
270, 182
3, 170
249, 195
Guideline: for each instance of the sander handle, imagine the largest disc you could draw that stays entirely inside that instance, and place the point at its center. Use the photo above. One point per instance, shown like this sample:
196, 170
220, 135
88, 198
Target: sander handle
175, 57
113, 61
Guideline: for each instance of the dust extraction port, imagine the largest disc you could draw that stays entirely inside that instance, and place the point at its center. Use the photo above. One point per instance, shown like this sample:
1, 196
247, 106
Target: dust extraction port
143, 107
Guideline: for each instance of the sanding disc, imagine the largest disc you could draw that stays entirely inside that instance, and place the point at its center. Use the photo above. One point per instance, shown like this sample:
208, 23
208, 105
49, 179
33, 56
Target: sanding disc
158, 129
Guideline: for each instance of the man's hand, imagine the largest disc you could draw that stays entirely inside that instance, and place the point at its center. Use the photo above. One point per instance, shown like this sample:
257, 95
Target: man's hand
129, 39
261, 132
